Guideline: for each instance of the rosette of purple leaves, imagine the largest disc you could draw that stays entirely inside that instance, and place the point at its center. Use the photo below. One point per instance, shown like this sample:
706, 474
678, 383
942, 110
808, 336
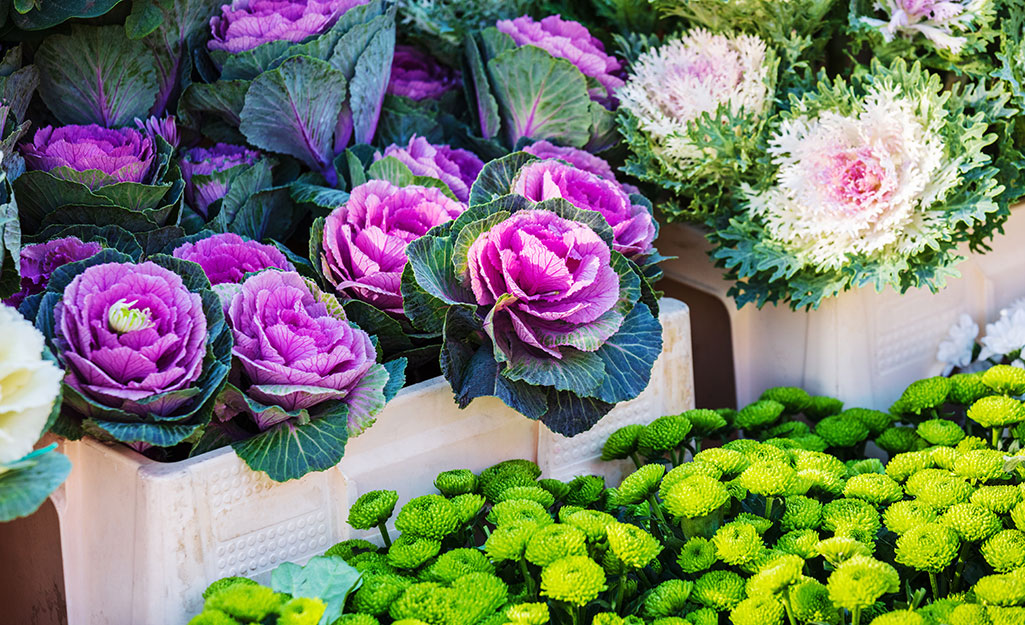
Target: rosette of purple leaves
534, 305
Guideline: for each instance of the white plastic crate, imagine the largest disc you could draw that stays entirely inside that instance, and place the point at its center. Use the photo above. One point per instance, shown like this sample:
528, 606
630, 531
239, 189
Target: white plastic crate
862, 347
142, 539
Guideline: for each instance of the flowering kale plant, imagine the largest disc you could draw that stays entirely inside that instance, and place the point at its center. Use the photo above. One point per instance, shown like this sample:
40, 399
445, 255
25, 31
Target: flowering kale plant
456, 168
228, 257
417, 76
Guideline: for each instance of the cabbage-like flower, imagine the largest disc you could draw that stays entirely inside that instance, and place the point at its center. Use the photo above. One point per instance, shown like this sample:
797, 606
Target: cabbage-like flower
945, 23
144, 346
419, 76
304, 373
632, 224
701, 77
566, 39
581, 159
866, 186
209, 172
228, 257
246, 24
93, 155
363, 249
38, 262
455, 167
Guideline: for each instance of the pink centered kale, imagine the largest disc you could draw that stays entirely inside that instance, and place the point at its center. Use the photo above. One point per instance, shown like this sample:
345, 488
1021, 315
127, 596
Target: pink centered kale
419, 76
294, 352
228, 257
206, 164
569, 40
550, 283
455, 167
109, 155
128, 332
581, 159
364, 244
246, 24
40, 260
632, 225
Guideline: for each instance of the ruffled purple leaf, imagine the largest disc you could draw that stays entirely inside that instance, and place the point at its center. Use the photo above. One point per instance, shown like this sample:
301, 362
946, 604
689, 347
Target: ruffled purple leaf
417, 75
246, 24
455, 167
228, 257
39, 261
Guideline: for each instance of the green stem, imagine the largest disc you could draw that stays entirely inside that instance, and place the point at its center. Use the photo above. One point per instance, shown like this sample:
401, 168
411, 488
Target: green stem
618, 601
768, 507
578, 615
697, 446
962, 560
934, 582
789, 608
855, 616
996, 437
636, 459
657, 509
384, 534
528, 579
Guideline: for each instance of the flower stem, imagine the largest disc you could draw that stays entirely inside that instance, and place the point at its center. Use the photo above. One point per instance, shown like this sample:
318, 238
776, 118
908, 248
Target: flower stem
855, 616
528, 579
578, 615
657, 509
768, 507
618, 601
384, 534
996, 438
789, 608
934, 582
962, 557
636, 459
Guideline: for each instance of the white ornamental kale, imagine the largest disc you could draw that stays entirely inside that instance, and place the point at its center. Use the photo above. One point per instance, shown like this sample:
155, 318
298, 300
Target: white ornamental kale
945, 23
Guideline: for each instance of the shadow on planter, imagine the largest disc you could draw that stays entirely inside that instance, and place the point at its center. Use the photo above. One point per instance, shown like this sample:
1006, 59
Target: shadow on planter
32, 574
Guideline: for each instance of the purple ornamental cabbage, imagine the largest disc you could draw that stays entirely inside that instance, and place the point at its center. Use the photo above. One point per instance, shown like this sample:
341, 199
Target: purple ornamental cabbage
228, 257
246, 24
550, 281
632, 225
93, 155
581, 159
364, 242
569, 40
40, 260
455, 167
419, 76
208, 172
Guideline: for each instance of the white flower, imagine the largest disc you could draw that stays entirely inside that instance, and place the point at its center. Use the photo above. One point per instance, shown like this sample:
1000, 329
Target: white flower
858, 183
1004, 336
674, 84
956, 351
937, 20
28, 386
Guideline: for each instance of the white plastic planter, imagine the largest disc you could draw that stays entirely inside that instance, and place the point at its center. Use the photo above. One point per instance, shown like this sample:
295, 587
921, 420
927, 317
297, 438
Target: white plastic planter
141, 539
862, 347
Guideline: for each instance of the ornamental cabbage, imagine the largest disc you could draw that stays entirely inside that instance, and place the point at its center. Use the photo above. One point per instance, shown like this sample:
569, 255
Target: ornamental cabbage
418, 76
245, 25
38, 262
455, 167
228, 257
209, 172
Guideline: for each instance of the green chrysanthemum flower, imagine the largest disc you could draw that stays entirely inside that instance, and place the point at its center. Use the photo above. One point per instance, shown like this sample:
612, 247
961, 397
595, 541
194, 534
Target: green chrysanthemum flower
702, 616
226, 582
942, 494
410, 551
971, 522
999, 499
697, 554
576, 580
695, 496
704, 421
519, 465
811, 442
997, 411
453, 564
685, 470
519, 511
876, 421
794, 399
821, 407
760, 414
668, 598
839, 549
640, 484
940, 611
1005, 379
940, 432
429, 602
776, 577
944, 457
798, 542
818, 461
456, 482
478, 595
841, 430
1007, 589
352, 619
528, 613
557, 488
531, 493
212, 617
737, 543
969, 614
902, 617
410, 621
904, 465
585, 490
592, 523
922, 395
1005, 616
761, 524
621, 443
971, 443
809, 600
758, 610
930, 547
782, 443
429, 516
874, 488
1005, 550
371, 563
860, 581
719, 590
918, 482
903, 516
377, 592
852, 513
663, 434
633, 546
866, 465
307, 611
980, 465
553, 542
769, 478
349, 548
372, 509
497, 478
245, 602
898, 440
607, 618
764, 559
728, 461
788, 429
467, 506
967, 388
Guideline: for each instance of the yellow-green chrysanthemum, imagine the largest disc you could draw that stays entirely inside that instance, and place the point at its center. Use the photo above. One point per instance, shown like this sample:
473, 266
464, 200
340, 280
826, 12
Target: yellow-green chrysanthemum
769, 478
1005, 550
777, 576
798, 542
839, 549
528, 613
997, 411
860, 581
640, 484
668, 598
633, 546
930, 547
456, 482
903, 516
621, 443
576, 580
971, 522
1005, 379
695, 496
737, 543
372, 509
697, 554
800, 512
553, 542
999, 499
940, 432
759, 610
874, 488
719, 590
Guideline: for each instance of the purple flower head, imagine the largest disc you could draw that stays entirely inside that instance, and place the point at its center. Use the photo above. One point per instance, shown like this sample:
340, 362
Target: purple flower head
417, 75
550, 282
228, 257
364, 245
293, 351
39, 261
207, 164
568, 40
166, 128
632, 225
581, 159
456, 168
246, 24
128, 332
110, 155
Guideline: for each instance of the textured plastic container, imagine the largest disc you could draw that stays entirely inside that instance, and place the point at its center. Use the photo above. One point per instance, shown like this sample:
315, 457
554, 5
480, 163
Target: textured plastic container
863, 347
141, 539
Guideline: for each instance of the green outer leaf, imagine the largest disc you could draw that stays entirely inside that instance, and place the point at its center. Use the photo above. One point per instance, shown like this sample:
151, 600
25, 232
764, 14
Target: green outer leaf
424, 311
370, 81
96, 76
496, 179
398, 173
48, 13
294, 109
318, 196
247, 181
577, 371
24, 489
267, 214
156, 434
145, 18
10, 242
468, 234
374, 321
629, 356
570, 414
224, 98
287, 451
431, 261
541, 97
483, 106
328, 578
